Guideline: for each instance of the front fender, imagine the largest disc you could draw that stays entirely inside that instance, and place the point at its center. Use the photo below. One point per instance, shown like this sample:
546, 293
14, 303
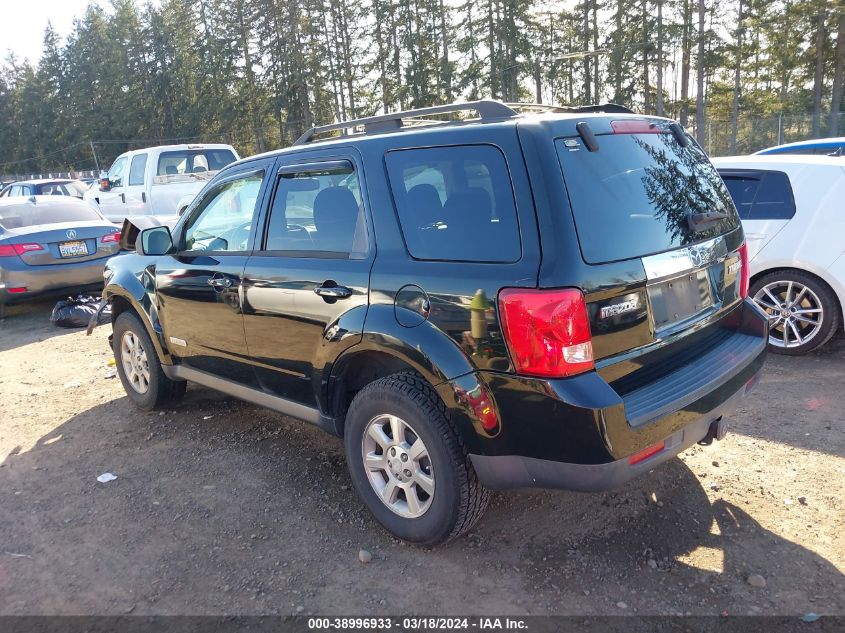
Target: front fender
138, 290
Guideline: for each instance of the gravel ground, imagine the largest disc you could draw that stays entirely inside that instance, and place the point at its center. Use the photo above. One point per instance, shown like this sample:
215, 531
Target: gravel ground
220, 507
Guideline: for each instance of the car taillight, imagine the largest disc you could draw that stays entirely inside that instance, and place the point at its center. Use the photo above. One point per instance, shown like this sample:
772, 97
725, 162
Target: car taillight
745, 273
111, 237
547, 331
10, 250
20, 249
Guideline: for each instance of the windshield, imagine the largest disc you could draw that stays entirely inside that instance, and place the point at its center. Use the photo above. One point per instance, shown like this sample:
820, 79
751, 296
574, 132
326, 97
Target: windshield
72, 188
18, 216
635, 195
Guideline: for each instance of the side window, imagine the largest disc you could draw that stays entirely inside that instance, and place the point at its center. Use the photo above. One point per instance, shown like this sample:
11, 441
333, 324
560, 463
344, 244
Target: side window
763, 195
117, 171
455, 203
222, 221
742, 188
137, 169
318, 212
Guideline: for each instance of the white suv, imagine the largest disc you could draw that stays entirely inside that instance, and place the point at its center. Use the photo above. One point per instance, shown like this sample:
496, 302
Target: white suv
793, 212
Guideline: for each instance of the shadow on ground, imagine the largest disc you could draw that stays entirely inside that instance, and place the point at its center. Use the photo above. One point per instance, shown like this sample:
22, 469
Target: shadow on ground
220, 507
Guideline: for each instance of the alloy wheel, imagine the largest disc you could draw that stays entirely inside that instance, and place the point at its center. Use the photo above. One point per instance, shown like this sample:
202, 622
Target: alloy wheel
133, 357
398, 466
795, 313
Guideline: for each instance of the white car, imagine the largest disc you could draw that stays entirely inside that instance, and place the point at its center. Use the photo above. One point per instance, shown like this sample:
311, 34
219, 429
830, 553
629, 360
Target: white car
157, 181
793, 212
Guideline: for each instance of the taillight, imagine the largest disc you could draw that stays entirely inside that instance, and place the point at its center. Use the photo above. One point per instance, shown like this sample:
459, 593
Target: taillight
11, 250
547, 331
111, 237
20, 249
745, 273
634, 126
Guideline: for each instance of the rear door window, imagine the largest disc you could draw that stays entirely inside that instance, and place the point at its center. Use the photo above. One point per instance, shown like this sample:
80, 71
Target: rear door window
634, 196
455, 203
137, 169
761, 195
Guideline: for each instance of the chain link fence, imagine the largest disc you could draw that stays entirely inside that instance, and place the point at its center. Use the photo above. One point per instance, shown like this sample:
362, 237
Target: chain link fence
756, 133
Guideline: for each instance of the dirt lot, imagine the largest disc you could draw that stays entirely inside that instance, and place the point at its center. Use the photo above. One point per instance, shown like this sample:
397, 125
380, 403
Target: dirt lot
221, 507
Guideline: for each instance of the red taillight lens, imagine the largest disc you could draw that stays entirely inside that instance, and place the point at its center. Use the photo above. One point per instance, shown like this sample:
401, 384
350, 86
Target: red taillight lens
7, 250
547, 331
20, 249
111, 237
745, 273
634, 126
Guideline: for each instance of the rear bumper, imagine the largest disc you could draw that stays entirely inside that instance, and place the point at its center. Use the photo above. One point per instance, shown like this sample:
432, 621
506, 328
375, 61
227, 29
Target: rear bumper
512, 471
54, 279
579, 433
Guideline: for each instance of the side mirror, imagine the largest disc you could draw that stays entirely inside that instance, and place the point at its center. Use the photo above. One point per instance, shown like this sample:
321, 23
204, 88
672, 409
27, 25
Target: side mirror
105, 185
154, 241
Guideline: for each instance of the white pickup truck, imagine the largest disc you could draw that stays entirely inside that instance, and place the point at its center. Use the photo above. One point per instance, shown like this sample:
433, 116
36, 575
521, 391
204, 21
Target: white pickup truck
157, 181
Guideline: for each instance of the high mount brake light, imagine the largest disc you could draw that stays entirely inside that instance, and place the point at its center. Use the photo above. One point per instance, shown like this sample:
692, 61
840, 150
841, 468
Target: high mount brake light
634, 126
547, 331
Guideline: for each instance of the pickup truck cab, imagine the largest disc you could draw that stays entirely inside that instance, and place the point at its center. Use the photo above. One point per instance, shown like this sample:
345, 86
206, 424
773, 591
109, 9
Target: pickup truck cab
159, 181
519, 299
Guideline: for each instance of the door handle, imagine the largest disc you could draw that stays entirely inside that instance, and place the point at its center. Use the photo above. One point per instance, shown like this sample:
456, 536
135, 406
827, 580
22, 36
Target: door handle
220, 282
123, 198
333, 292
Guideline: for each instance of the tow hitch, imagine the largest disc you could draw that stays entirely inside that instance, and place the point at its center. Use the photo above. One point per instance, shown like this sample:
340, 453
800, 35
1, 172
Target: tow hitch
717, 431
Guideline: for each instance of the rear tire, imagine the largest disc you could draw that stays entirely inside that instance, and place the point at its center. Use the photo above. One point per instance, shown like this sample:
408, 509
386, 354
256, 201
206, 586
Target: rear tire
803, 310
418, 481
139, 367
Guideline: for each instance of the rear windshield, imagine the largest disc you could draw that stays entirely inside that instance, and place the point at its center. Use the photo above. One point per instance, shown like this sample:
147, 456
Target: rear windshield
633, 197
191, 164
18, 216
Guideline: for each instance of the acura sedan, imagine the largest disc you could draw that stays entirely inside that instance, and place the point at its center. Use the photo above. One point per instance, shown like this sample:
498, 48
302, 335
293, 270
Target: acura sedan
51, 244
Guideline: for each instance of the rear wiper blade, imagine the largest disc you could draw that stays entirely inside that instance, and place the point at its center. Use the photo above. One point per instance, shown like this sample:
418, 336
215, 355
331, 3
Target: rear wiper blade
695, 221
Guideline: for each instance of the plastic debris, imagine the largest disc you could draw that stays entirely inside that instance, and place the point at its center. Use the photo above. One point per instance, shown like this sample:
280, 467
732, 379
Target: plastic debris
106, 478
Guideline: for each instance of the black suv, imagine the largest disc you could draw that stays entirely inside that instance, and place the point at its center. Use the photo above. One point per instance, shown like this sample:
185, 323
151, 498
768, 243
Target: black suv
525, 298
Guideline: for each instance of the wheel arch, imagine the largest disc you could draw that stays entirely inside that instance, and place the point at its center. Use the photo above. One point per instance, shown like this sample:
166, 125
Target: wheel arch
125, 293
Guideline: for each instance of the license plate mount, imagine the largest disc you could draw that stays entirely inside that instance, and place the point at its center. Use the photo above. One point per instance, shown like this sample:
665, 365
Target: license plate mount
681, 298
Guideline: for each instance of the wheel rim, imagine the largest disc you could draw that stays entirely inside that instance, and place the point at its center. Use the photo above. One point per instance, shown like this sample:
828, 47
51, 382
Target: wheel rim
398, 466
133, 357
795, 313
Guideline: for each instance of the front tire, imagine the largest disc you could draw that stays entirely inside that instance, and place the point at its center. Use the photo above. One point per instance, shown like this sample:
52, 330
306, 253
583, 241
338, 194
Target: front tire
139, 368
408, 464
803, 311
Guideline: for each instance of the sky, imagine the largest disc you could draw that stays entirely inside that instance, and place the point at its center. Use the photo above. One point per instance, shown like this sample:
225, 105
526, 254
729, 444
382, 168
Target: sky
22, 24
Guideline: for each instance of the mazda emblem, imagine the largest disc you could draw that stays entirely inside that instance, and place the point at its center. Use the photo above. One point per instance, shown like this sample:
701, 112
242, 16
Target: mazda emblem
71, 234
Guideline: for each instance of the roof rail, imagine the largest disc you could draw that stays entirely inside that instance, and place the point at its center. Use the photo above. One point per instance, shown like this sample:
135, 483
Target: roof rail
611, 108
487, 110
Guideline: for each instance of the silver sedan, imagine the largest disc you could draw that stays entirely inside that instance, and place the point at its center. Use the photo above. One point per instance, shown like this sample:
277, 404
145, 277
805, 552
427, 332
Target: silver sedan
50, 245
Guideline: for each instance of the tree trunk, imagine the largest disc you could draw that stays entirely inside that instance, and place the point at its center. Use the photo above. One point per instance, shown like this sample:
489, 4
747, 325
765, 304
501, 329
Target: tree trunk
836, 89
700, 119
645, 45
819, 74
686, 43
446, 69
737, 80
588, 90
659, 58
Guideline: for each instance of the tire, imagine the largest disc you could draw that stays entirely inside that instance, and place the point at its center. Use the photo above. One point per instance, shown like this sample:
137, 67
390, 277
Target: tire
150, 389
457, 498
792, 332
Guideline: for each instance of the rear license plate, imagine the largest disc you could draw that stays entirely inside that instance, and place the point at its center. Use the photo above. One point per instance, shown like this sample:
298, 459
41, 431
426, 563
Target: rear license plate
680, 298
73, 249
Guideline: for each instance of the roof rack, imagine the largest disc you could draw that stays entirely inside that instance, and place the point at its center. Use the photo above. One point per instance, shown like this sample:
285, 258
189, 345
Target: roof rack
611, 108
487, 110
